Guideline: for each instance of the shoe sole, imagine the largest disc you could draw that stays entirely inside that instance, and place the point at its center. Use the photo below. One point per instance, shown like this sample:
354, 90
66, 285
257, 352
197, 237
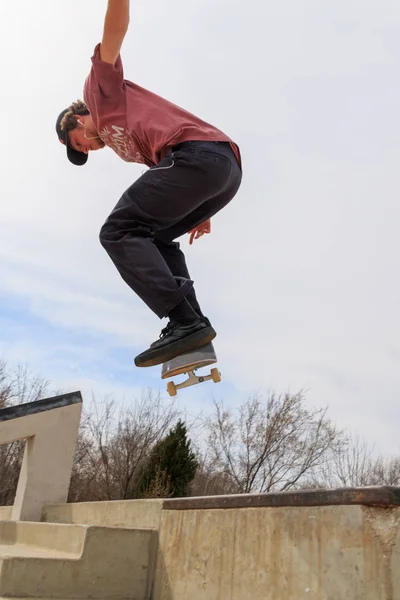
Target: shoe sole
186, 344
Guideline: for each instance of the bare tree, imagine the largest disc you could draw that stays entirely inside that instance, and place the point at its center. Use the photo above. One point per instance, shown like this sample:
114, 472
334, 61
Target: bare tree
17, 386
113, 443
83, 486
10, 466
271, 444
385, 471
5, 385
211, 481
354, 465
350, 466
267, 444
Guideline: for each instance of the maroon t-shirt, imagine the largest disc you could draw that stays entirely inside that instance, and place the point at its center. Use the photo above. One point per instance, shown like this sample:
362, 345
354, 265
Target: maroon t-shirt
138, 125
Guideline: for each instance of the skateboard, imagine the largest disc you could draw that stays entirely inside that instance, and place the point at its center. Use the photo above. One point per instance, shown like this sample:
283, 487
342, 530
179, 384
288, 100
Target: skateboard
187, 364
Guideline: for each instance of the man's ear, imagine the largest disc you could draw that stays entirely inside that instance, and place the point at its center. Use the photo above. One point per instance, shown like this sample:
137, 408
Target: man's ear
80, 119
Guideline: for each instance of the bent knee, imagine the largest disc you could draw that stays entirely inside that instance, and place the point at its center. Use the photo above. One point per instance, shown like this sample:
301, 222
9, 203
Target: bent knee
116, 231
106, 234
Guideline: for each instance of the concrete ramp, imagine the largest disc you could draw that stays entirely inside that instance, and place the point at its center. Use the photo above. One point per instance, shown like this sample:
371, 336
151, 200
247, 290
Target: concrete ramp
44, 560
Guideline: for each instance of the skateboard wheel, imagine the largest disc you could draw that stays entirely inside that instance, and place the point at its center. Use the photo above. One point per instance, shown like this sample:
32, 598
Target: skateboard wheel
216, 375
171, 389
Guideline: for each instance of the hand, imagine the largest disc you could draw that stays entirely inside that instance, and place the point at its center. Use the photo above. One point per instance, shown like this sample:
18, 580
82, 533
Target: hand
200, 230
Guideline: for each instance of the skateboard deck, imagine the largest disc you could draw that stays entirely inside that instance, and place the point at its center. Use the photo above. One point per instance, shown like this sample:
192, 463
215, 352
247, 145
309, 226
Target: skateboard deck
188, 363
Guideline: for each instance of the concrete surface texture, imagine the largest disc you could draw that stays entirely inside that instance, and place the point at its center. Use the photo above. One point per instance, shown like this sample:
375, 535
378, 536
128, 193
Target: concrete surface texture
327, 553
318, 545
41, 560
336, 545
118, 513
50, 428
5, 513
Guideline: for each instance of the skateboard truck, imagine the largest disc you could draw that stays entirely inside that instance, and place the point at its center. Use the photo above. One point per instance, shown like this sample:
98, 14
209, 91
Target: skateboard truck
187, 364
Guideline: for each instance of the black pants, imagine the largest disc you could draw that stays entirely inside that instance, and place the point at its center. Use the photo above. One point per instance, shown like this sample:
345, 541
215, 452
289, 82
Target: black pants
192, 183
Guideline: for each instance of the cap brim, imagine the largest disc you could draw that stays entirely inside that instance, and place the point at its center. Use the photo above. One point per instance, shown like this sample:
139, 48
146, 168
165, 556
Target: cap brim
77, 158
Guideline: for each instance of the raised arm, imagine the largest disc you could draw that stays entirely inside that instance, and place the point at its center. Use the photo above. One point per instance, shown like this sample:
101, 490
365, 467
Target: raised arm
115, 28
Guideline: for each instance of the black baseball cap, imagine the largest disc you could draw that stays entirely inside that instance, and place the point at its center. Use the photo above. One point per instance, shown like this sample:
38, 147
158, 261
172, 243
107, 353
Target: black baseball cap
77, 158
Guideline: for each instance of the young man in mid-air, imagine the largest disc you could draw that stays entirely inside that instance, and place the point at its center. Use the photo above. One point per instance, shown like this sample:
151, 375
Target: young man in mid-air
195, 170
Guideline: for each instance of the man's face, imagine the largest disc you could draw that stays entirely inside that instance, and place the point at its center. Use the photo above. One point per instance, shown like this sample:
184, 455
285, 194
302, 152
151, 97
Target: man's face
83, 138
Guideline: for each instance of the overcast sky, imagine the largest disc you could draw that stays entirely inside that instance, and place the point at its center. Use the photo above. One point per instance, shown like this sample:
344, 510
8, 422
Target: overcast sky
301, 274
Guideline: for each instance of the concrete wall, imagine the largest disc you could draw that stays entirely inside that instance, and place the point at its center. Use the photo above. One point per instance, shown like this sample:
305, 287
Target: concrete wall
326, 553
126, 513
329, 545
5, 513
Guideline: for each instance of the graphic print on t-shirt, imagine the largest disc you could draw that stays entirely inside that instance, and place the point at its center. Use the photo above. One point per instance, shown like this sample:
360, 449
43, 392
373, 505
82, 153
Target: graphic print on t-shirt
121, 142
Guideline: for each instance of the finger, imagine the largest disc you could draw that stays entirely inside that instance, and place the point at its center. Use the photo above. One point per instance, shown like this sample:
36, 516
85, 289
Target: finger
192, 234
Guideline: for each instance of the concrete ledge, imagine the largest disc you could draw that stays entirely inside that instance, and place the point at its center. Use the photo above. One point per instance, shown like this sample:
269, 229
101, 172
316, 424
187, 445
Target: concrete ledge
32, 408
384, 496
68, 539
147, 513
117, 513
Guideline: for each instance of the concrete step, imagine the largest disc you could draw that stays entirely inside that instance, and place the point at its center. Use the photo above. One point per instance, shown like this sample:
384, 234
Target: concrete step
68, 540
26, 551
45, 560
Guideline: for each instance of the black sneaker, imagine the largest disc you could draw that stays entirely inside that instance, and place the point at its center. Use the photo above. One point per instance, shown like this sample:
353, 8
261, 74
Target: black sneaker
176, 339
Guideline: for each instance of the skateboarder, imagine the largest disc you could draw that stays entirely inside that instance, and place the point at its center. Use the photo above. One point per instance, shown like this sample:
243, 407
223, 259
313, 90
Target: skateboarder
194, 171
